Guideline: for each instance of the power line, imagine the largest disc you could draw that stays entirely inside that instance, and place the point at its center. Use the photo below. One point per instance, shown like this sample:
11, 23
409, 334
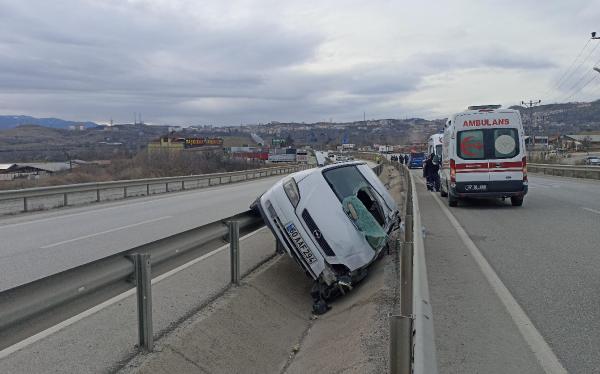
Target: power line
529, 105
584, 86
579, 66
570, 66
573, 71
587, 73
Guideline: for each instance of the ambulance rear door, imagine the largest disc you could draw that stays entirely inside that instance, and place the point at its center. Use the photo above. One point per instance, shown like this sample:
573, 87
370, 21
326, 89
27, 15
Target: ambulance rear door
471, 164
507, 152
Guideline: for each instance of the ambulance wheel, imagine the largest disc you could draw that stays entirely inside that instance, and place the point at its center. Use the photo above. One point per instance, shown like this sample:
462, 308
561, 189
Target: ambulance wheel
516, 200
452, 201
442, 192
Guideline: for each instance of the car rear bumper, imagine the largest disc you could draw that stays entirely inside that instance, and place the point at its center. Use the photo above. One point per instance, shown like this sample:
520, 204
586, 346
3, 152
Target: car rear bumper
497, 189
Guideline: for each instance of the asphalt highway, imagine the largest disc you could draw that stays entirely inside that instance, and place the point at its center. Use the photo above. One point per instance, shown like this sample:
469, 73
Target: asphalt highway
547, 255
36, 245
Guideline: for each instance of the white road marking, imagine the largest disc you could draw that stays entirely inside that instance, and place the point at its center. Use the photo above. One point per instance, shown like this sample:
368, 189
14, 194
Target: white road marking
86, 313
542, 351
106, 232
591, 210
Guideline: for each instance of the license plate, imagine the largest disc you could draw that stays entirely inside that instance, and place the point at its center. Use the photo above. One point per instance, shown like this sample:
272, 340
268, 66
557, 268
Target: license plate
475, 187
300, 244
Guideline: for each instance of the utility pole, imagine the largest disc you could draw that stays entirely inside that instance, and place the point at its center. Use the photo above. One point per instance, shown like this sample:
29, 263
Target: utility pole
530, 106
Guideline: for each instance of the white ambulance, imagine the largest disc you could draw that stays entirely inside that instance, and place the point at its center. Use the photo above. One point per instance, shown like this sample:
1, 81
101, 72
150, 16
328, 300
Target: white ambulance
483, 155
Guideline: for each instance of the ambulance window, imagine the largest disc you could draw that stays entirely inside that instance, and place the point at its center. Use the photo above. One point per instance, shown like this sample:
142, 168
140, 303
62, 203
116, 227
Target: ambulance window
506, 143
438, 149
470, 145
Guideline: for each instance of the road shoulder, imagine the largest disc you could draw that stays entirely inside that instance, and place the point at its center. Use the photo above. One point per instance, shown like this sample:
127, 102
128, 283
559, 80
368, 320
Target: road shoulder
473, 330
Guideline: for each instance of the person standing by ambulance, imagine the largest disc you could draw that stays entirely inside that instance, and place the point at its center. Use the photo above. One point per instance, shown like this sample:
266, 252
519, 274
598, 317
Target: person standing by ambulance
430, 171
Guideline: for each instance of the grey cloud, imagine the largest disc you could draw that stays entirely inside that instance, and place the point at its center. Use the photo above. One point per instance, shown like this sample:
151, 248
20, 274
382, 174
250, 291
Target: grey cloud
94, 60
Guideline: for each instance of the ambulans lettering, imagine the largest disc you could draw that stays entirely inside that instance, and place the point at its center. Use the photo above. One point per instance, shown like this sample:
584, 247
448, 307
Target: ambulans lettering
486, 122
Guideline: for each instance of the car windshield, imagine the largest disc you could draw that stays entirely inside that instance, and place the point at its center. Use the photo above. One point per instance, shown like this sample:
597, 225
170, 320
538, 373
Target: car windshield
345, 181
349, 182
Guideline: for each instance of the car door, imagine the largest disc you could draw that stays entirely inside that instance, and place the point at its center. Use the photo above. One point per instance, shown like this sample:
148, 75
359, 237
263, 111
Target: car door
506, 161
472, 167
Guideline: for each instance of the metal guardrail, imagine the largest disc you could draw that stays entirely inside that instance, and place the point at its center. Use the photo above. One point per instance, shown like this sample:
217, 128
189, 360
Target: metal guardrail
212, 180
39, 299
126, 269
573, 171
412, 344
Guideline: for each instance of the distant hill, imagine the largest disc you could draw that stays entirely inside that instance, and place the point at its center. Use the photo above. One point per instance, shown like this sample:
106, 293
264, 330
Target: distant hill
9, 122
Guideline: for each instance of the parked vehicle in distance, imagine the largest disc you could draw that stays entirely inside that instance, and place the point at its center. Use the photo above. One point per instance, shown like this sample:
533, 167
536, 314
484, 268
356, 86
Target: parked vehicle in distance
483, 155
416, 160
434, 145
333, 221
592, 160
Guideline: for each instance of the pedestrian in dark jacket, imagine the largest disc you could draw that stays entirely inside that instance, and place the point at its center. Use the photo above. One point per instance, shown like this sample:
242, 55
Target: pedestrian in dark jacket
430, 171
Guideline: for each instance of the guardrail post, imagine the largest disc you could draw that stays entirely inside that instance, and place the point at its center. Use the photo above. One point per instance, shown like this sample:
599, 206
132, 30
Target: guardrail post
182, 185
125, 192
400, 344
148, 189
220, 180
144, 300
406, 275
25, 205
167, 187
234, 251
98, 195
65, 199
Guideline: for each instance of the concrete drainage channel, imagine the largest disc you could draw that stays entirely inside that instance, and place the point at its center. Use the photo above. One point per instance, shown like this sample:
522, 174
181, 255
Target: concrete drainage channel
265, 324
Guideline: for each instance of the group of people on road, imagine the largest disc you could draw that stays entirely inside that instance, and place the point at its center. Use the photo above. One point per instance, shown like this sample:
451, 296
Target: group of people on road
402, 159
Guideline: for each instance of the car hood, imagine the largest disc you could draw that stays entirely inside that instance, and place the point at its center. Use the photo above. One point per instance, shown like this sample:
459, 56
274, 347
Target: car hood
349, 244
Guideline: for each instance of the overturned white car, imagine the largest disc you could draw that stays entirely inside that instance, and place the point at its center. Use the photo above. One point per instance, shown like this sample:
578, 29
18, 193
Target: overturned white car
334, 221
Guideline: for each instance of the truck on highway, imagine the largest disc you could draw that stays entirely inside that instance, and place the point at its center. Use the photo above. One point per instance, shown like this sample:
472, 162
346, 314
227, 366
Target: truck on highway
483, 155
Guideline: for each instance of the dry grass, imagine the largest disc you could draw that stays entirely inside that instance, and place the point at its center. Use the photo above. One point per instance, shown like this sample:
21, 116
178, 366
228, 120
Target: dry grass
144, 165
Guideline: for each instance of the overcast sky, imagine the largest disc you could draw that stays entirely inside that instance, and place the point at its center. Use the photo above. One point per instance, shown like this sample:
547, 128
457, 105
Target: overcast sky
230, 62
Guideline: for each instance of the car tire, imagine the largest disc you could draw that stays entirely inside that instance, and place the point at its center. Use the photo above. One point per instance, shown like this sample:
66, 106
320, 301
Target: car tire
452, 201
516, 200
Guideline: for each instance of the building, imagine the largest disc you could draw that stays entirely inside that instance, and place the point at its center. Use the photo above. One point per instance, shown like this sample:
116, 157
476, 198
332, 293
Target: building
32, 170
581, 141
179, 144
